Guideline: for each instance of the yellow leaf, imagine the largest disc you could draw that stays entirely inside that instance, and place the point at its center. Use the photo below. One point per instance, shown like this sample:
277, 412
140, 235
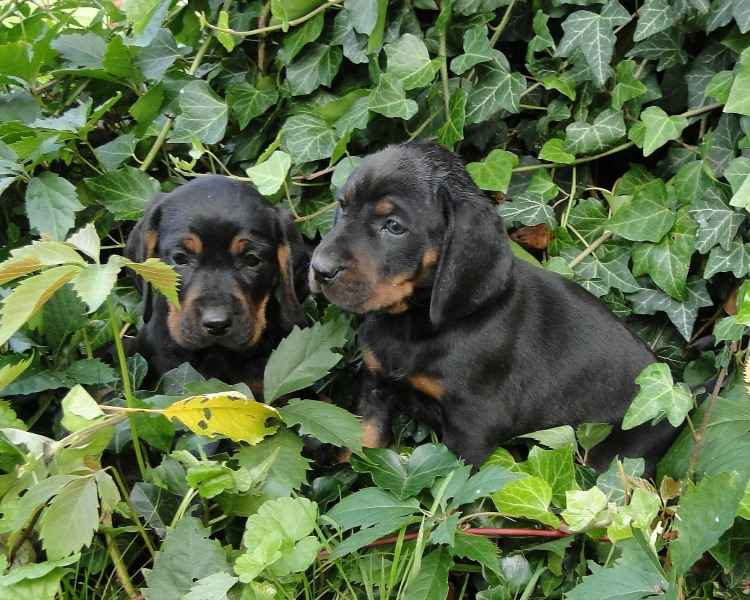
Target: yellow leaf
9, 373
159, 274
13, 268
225, 414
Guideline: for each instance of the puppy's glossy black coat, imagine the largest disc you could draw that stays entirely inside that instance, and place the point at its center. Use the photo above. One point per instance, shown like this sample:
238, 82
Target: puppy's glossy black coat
242, 266
458, 332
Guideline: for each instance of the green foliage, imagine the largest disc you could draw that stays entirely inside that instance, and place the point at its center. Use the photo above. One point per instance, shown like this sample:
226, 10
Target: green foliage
619, 131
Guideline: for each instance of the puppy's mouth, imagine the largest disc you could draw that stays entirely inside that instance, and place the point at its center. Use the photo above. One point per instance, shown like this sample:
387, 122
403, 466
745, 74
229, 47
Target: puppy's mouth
356, 294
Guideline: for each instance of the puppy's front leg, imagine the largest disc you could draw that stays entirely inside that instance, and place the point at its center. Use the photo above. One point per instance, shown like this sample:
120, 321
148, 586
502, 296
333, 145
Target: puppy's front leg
375, 406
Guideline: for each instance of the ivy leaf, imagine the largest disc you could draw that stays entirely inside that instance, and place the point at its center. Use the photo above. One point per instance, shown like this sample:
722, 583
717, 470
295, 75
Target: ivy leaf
554, 151
633, 576
717, 222
307, 137
203, 115
692, 181
555, 467
303, 357
477, 50
497, 89
316, 67
299, 37
249, 101
30, 295
739, 94
124, 192
527, 498
584, 508
590, 435
81, 49
647, 217
528, 208
187, 555
735, 259
668, 261
270, 175
660, 128
76, 503
658, 397
409, 62
654, 16
155, 59
495, 171
584, 138
592, 35
452, 131
628, 86
665, 47
224, 414
326, 422
706, 511
51, 204
431, 580
389, 98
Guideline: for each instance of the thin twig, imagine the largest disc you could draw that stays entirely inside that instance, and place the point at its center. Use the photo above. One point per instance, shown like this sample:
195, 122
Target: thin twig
594, 245
443, 54
271, 28
120, 568
317, 213
502, 25
262, 22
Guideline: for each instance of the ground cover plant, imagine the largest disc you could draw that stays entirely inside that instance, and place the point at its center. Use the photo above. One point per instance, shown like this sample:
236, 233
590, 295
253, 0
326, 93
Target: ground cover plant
614, 138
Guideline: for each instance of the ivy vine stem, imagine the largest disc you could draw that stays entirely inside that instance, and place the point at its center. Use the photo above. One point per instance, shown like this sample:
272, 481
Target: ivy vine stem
279, 26
502, 25
114, 322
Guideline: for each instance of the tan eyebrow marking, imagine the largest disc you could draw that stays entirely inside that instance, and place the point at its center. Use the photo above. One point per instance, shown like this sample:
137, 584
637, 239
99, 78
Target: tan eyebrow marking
238, 245
192, 243
427, 385
384, 207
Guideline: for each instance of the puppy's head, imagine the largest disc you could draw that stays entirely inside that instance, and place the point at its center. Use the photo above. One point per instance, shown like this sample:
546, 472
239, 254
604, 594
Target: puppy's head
236, 256
412, 228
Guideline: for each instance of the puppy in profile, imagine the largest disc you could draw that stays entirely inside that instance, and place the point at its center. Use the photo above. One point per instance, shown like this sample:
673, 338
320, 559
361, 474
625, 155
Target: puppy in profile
242, 267
459, 333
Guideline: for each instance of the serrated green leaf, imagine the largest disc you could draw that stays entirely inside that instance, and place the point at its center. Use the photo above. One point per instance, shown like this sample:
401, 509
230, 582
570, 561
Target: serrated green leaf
203, 115
657, 397
325, 422
124, 192
288, 468
479, 549
94, 283
431, 581
369, 507
51, 204
76, 503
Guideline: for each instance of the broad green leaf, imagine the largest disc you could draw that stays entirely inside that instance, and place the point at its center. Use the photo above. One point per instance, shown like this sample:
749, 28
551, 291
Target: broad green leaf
528, 209
10, 372
735, 259
157, 57
628, 86
554, 151
657, 397
94, 283
225, 414
86, 240
325, 422
363, 14
307, 137
79, 409
633, 576
706, 511
717, 222
555, 467
370, 506
744, 506
51, 204
225, 39
728, 329
286, 10
527, 498
452, 131
590, 435
611, 481
30, 295
431, 580
647, 217
389, 99
592, 35
409, 62
28, 259
81, 50
43, 587
293, 43
479, 549
124, 192
585, 509
497, 89
585, 138
317, 66
668, 261
76, 503
495, 171
186, 555
288, 468
212, 587
405, 478
477, 50
693, 181
270, 175
720, 86
654, 16
157, 273
490, 478
114, 153
660, 128
555, 437
249, 101
739, 94
203, 115
303, 357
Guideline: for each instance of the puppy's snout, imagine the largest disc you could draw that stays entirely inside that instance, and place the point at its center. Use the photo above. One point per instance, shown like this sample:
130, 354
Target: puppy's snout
216, 320
326, 270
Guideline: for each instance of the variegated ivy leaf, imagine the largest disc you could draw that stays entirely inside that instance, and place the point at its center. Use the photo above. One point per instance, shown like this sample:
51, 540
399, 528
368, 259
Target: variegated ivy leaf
654, 16
647, 217
657, 397
317, 66
736, 258
477, 50
389, 99
717, 222
409, 61
307, 137
584, 138
528, 208
628, 86
249, 101
592, 35
660, 128
203, 115
497, 89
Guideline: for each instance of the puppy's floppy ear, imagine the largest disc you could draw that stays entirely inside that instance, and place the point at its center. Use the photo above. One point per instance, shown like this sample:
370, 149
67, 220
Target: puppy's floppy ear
143, 243
475, 260
293, 256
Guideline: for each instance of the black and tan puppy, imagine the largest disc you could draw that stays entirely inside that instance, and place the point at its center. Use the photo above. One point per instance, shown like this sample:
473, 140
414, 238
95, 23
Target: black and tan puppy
242, 267
458, 332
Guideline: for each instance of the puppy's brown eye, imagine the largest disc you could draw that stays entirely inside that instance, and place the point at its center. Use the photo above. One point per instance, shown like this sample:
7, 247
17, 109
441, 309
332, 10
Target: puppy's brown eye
250, 258
394, 227
180, 258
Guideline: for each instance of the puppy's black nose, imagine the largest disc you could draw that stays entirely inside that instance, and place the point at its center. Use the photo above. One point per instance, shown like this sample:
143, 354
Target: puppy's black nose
216, 320
326, 270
